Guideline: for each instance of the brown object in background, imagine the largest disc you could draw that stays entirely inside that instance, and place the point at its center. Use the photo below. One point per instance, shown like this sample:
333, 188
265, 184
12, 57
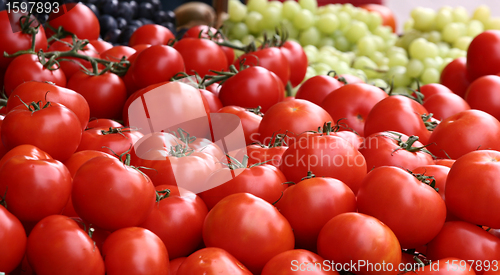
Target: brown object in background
221, 7
195, 13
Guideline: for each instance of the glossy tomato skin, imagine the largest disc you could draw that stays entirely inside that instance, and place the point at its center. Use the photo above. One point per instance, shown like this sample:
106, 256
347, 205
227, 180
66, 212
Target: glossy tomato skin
297, 59
135, 250
43, 91
475, 244
234, 216
483, 95
252, 87
454, 76
382, 149
116, 53
297, 261
55, 130
175, 264
79, 158
316, 88
26, 150
180, 215
152, 34
390, 194
352, 103
212, 260
71, 65
355, 236
265, 154
106, 94
311, 203
270, 58
27, 67
57, 245
103, 122
111, 195
213, 101
445, 105
201, 55
100, 45
113, 141
13, 239
249, 121
472, 192
76, 18
482, 55
449, 141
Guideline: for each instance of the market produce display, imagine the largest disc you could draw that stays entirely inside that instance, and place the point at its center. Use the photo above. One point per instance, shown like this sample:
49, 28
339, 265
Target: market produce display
295, 139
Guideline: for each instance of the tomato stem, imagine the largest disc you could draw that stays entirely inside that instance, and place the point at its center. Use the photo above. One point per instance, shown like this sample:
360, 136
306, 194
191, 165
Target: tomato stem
163, 194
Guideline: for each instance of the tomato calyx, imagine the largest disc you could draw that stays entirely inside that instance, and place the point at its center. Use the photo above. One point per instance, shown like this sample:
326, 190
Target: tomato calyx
117, 130
163, 194
234, 164
256, 111
429, 180
220, 76
429, 122
184, 136
408, 145
310, 175
34, 106
180, 151
418, 257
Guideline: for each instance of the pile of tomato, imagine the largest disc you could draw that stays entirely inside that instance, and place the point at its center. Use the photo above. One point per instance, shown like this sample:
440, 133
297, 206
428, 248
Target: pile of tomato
172, 156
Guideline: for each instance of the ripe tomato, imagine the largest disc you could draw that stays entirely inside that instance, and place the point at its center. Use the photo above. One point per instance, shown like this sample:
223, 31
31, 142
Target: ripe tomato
79, 158
44, 91
471, 188
116, 53
57, 245
112, 195
202, 31
152, 34
445, 105
27, 67
431, 89
353, 237
391, 194
249, 121
447, 266
269, 154
213, 101
311, 203
394, 149
449, 141
100, 45
54, 129
106, 94
297, 59
201, 55
386, 13
252, 87
27, 150
179, 215
13, 239
270, 58
21, 174
75, 18
353, 103
482, 55
483, 94
212, 260
103, 122
474, 244
135, 250
265, 236
292, 117
114, 141
175, 264
454, 76
316, 88
71, 65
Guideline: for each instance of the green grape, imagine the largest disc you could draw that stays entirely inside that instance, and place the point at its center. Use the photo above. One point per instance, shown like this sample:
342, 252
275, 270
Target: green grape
378, 82
423, 18
414, 68
408, 25
276, 4
366, 46
344, 20
347, 57
326, 41
271, 17
311, 5
253, 22
474, 28
446, 61
463, 43
238, 53
311, 36
329, 8
453, 31
407, 38
456, 53
312, 53
310, 72
398, 76
303, 20
290, 29
342, 44
379, 58
432, 62
443, 48
247, 39
396, 50
374, 21
236, 10
430, 75
444, 17
328, 50
460, 15
493, 24
397, 60
379, 42
433, 36
257, 5
341, 67
321, 68
238, 31
359, 73
327, 23
290, 9
357, 30
400, 90
367, 66
349, 8
482, 13
330, 60
360, 15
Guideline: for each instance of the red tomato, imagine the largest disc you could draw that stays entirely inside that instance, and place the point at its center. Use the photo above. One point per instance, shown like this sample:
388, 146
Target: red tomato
447, 266
71, 65
212, 260
270, 58
311, 203
21, 174
454, 76
29, 151
267, 233
100, 45
445, 105
116, 53
106, 94
297, 59
388, 18
213, 101
57, 245
152, 34
54, 129
349, 78
482, 55
353, 103
75, 18
444, 162
180, 215
27, 67
252, 87
465, 241
449, 141
112, 195
249, 121
13, 239
269, 154
391, 194
316, 88
292, 117
14, 39
175, 264
114, 141
43, 91
398, 113
353, 237
431, 89
394, 149
297, 261
135, 250
103, 122
483, 94
156, 64
79, 158
201, 55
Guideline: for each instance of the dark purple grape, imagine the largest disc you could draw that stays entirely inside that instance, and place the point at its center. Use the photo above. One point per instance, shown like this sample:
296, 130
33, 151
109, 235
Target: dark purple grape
125, 11
146, 10
146, 21
170, 16
121, 23
126, 34
137, 23
110, 7
95, 2
156, 4
135, 8
160, 16
93, 8
170, 26
112, 36
107, 23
